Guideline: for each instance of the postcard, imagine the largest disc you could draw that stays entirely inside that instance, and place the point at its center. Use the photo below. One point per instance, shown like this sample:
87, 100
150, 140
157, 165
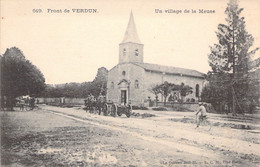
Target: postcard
130, 83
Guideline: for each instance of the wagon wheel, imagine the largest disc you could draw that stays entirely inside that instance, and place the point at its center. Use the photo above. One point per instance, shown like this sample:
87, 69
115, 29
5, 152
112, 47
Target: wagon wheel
113, 110
119, 111
105, 109
27, 107
86, 108
128, 110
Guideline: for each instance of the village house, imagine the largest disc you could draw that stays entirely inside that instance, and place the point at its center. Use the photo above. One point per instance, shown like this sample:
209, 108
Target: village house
131, 79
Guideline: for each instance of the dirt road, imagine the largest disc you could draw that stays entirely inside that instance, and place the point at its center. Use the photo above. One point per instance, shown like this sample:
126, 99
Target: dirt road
55, 136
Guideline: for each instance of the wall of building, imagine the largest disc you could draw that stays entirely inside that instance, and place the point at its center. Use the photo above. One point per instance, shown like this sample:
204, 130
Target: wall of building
146, 81
130, 52
132, 73
153, 78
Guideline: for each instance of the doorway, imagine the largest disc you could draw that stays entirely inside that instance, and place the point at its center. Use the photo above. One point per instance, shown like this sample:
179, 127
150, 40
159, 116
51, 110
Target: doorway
123, 96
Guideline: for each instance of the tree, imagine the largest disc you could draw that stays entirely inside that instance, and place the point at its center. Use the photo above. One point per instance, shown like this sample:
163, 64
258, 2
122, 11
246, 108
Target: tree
229, 58
99, 84
155, 89
79, 90
166, 89
19, 76
217, 92
184, 90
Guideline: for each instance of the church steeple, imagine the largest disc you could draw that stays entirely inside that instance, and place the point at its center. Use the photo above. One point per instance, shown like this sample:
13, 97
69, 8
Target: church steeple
131, 33
131, 48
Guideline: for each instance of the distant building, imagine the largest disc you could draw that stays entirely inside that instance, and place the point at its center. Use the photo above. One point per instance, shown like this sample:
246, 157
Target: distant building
131, 78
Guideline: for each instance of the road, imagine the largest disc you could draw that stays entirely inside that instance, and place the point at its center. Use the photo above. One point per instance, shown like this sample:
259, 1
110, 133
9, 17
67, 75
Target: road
54, 136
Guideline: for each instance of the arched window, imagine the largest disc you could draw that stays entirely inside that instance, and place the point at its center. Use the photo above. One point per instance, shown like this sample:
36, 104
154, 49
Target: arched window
136, 52
123, 73
136, 84
112, 85
197, 90
124, 52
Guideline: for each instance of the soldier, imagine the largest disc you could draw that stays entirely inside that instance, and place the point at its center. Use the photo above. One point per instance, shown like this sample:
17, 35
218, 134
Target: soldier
91, 102
32, 103
100, 102
202, 114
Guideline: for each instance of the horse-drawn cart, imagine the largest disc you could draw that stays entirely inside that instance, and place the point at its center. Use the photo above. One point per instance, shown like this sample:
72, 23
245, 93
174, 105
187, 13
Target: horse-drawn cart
107, 107
113, 109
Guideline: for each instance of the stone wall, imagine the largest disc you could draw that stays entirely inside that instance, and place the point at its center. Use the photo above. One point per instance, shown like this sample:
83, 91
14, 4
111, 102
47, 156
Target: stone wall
180, 106
78, 101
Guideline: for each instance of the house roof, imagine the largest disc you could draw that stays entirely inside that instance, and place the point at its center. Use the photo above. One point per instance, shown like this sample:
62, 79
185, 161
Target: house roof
131, 32
170, 70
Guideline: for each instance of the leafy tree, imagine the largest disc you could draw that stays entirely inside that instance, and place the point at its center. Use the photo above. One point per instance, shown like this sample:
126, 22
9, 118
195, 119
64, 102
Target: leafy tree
99, 84
166, 88
184, 90
19, 76
217, 92
79, 90
229, 58
155, 89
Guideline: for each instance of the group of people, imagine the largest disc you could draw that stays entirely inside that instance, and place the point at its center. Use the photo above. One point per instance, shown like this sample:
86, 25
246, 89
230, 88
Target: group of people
93, 103
27, 102
22, 103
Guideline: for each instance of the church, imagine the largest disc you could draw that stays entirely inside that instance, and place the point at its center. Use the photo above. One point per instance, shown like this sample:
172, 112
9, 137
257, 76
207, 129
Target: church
131, 79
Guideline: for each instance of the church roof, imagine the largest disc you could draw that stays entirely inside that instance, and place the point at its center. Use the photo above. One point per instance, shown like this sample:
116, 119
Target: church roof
170, 70
131, 32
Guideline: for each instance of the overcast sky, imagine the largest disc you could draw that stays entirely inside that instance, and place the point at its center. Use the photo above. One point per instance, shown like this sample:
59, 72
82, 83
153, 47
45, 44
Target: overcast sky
70, 47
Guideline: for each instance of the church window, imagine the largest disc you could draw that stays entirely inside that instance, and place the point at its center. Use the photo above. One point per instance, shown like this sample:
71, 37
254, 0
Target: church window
124, 52
123, 73
112, 85
136, 84
136, 52
197, 90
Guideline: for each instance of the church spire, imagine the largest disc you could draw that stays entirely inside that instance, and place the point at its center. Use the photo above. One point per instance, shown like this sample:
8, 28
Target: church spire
131, 33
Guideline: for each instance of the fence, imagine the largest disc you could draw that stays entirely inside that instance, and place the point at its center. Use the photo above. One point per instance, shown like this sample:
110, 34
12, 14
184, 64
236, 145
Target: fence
62, 100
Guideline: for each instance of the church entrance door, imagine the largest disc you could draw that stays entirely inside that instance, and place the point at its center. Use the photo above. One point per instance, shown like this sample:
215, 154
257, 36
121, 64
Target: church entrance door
123, 96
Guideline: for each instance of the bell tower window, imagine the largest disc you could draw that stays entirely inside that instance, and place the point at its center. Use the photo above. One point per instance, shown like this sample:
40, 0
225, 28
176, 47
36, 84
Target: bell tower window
124, 52
136, 52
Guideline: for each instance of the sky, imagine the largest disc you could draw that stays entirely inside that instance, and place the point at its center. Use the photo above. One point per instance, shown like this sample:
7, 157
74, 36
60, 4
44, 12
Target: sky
70, 47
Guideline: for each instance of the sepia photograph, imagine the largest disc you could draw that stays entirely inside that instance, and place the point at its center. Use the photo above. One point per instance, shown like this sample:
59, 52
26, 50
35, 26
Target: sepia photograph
171, 83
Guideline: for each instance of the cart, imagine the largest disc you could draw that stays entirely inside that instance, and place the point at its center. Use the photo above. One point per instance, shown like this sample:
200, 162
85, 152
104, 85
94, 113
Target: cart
114, 109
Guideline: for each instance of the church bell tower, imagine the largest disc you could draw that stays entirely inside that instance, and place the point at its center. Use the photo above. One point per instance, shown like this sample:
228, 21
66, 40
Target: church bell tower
131, 48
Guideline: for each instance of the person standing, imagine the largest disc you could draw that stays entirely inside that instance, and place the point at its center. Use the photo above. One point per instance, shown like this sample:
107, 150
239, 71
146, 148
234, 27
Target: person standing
32, 103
